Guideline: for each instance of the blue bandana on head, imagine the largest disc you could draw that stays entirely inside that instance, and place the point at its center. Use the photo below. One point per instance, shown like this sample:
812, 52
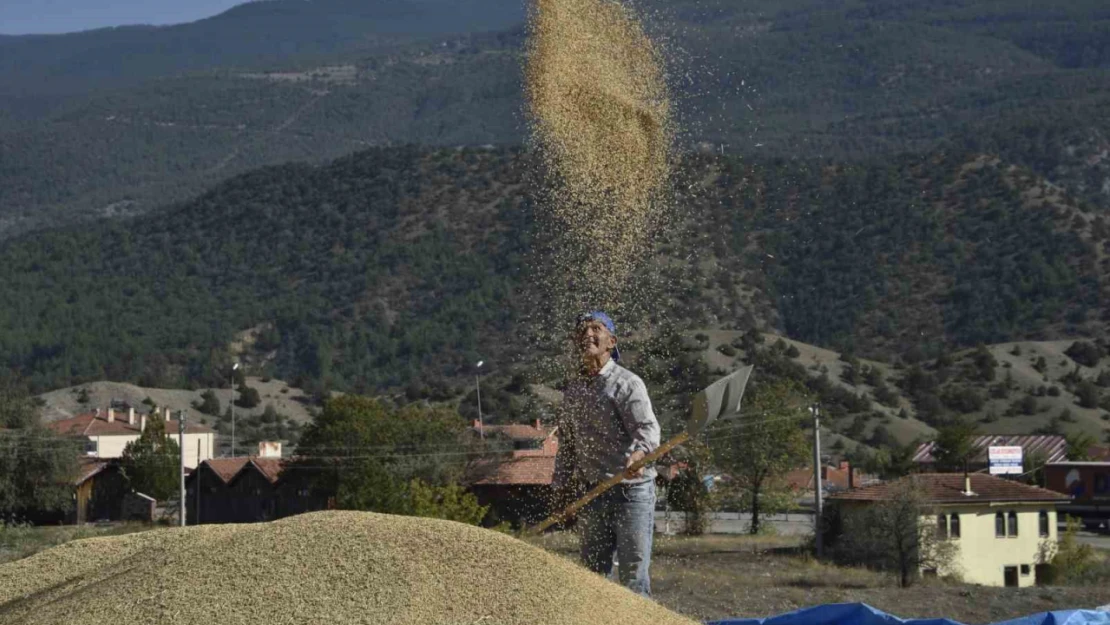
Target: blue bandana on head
604, 320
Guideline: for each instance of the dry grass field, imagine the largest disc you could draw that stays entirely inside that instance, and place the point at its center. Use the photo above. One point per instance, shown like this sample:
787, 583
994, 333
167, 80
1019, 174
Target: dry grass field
716, 577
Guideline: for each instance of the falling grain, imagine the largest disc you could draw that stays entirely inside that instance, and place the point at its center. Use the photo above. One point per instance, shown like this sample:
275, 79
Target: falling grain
601, 122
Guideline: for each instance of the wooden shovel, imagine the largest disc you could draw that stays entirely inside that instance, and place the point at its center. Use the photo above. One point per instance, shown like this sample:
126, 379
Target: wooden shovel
722, 398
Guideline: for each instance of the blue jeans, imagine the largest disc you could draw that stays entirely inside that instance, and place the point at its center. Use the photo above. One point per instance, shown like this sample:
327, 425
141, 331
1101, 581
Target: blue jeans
621, 521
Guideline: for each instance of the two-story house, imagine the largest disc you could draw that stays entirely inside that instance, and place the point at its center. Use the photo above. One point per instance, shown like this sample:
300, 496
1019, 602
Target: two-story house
997, 525
108, 431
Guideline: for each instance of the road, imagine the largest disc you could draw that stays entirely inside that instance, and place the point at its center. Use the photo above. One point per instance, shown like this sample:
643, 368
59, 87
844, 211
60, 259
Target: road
738, 523
1098, 541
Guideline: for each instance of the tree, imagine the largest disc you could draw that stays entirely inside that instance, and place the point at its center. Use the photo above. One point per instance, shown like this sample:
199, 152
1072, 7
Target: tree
248, 397
366, 454
1068, 559
955, 444
768, 444
985, 364
1079, 446
1085, 353
1087, 394
209, 403
1032, 465
888, 463
16, 409
151, 463
894, 534
37, 466
451, 502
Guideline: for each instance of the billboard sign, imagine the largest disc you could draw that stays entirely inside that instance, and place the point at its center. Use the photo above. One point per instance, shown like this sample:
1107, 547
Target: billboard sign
1005, 460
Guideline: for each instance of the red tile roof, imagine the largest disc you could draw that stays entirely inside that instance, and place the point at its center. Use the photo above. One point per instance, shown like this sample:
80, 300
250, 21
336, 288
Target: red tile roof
1055, 448
519, 471
87, 468
949, 488
226, 468
515, 431
97, 425
270, 468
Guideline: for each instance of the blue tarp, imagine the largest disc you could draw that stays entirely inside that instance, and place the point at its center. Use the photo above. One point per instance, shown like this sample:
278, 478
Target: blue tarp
863, 614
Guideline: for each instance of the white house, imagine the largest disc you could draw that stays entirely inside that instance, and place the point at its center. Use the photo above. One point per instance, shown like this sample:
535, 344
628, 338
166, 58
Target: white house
108, 433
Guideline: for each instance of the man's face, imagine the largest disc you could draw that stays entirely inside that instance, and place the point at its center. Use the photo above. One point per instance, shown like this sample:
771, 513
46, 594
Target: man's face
593, 339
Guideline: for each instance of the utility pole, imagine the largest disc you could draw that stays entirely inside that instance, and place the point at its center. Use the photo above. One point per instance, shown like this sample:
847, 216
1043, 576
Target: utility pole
818, 503
181, 448
478, 386
231, 407
196, 484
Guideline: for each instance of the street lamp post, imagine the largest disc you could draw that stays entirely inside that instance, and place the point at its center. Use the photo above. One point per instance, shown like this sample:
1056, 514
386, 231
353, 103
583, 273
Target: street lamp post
478, 386
231, 406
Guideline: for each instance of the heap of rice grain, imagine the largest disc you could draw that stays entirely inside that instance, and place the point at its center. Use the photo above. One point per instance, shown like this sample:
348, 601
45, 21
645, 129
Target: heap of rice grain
327, 567
601, 121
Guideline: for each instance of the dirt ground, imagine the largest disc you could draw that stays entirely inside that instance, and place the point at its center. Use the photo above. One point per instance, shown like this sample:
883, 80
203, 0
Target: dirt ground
717, 577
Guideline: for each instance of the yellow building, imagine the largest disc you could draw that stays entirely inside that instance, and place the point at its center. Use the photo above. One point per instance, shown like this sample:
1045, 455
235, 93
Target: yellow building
108, 433
997, 525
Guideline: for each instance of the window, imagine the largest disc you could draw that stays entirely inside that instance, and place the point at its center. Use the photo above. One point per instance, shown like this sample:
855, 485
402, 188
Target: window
942, 526
1043, 518
1024, 570
91, 447
1100, 483
1013, 528
954, 527
1000, 525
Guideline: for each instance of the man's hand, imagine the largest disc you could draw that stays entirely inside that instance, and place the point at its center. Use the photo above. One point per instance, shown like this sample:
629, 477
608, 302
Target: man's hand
633, 458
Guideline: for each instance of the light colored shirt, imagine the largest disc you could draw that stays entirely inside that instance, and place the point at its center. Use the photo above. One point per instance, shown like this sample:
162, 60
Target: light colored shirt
604, 418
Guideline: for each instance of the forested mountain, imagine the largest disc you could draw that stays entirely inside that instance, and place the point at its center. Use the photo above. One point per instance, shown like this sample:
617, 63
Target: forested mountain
249, 35
402, 264
117, 121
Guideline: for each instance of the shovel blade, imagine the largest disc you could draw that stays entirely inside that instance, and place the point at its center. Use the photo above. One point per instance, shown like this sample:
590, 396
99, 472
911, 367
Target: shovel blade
720, 399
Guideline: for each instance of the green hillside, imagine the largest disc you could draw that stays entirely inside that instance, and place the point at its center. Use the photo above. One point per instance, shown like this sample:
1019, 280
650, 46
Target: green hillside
403, 266
808, 79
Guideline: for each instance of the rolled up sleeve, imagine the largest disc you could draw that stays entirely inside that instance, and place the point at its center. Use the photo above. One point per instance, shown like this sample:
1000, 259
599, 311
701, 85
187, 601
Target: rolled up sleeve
639, 418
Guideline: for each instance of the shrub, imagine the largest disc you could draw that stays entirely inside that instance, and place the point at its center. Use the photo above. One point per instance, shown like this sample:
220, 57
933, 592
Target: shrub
248, 397
727, 350
1068, 561
1084, 353
209, 404
1087, 394
451, 502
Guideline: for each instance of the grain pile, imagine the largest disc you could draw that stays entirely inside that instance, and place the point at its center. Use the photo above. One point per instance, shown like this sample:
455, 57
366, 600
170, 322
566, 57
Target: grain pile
327, 567
601, 122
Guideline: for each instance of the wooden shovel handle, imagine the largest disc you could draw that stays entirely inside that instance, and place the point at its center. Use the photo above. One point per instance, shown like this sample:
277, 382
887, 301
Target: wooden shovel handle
569, 512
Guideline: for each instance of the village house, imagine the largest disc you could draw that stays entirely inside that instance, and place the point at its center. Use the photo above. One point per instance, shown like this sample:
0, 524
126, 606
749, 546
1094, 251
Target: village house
997, 525
516, 485
102, 494
843, 476
237, 490
108, 432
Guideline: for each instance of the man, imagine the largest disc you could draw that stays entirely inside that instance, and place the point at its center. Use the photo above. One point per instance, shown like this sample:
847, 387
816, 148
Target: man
607, 425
